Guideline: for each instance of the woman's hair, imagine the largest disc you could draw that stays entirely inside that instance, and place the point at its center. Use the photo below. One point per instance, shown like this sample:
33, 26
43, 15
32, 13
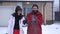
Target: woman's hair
16, 10
35, 5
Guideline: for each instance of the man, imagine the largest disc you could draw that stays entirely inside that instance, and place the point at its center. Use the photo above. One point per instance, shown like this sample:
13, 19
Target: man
34, 20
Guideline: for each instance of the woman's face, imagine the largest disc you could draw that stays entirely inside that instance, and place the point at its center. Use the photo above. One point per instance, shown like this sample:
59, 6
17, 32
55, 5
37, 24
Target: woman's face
19, 12
34, 8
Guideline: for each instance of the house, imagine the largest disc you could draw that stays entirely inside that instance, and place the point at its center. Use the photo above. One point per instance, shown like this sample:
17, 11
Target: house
46, 7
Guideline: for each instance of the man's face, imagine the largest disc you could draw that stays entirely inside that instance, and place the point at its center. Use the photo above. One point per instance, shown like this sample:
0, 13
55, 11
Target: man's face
34, 8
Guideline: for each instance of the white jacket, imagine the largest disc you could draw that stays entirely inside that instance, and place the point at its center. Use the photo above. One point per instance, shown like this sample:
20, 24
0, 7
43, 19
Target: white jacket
11, 25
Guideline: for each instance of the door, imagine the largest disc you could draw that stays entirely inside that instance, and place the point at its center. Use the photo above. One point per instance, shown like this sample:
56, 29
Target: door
27, 9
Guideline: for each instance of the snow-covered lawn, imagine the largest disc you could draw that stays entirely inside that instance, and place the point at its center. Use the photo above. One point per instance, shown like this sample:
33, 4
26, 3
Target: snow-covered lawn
51, 29
46, 29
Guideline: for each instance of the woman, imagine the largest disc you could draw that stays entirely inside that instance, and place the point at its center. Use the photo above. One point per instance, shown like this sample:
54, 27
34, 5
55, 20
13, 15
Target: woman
34, 20
16, 22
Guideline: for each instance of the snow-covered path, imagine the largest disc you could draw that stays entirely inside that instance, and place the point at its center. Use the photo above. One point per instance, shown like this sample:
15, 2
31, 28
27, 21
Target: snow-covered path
46, 29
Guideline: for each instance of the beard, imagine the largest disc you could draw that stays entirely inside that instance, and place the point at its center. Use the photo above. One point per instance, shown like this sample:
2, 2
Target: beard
34, 12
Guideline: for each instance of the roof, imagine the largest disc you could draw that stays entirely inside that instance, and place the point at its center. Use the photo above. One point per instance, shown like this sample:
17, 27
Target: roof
26, 0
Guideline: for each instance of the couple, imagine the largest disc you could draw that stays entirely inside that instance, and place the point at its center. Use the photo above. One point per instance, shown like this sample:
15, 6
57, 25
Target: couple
34, 21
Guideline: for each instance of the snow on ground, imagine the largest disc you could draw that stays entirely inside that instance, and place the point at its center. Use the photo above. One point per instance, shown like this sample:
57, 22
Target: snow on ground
3, 30
51, 29
46, 29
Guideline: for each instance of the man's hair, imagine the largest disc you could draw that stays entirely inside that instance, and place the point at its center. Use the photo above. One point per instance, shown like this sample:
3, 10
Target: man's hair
35, 5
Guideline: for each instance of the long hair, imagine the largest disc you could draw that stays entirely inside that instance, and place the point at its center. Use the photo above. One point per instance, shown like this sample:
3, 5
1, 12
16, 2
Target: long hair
16, 10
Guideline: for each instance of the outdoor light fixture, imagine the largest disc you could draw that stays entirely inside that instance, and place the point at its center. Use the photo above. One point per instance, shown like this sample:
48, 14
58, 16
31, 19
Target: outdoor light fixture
27, 2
